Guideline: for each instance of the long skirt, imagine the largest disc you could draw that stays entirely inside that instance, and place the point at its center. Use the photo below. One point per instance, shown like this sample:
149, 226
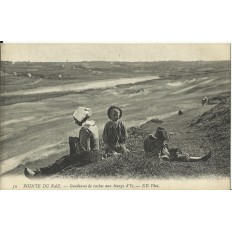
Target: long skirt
76, 157
82, 159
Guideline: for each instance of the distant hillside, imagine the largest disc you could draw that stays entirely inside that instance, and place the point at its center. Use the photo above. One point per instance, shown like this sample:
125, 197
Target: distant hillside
84, 70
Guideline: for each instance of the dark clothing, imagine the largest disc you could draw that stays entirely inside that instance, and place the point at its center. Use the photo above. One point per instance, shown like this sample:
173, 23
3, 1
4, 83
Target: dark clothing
176, 154
83, 150
83, 159
115, 136
153, 145
159, 148
82, 153
59, 165
88, 157
74, 146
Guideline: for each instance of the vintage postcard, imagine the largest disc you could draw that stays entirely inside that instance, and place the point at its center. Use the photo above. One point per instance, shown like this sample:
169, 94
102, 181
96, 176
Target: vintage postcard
115, 116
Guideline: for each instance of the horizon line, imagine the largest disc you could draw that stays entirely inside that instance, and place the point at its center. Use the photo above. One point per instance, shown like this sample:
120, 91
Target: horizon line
28, 61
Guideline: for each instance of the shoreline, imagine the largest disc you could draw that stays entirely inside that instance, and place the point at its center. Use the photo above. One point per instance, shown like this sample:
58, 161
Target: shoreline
81, 87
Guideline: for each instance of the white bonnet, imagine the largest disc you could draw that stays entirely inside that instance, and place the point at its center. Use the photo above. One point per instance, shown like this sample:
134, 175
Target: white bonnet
81, 113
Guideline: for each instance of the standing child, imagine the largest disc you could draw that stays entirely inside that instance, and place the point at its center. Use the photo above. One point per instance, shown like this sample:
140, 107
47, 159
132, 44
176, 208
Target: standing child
115, 134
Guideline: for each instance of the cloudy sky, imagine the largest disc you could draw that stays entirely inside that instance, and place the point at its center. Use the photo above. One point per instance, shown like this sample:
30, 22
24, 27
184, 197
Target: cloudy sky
113, 52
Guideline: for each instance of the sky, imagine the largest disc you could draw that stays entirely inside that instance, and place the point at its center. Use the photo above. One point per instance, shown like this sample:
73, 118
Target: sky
60, 52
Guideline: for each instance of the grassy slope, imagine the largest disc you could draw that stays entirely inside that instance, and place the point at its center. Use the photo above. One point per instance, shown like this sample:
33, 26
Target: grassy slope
195, 132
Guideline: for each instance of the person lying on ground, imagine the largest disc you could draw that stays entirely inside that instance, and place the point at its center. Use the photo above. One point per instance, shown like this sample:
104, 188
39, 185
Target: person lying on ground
84, 148
157, 145
115, 134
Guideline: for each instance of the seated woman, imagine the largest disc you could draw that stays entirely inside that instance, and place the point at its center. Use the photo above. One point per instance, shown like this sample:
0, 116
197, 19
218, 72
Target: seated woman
156, 145
83, 149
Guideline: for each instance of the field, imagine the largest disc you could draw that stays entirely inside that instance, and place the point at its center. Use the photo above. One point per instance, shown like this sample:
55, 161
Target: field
36, 113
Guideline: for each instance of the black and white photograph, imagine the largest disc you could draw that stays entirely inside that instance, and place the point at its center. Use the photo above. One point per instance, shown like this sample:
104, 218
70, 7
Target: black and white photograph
115, 116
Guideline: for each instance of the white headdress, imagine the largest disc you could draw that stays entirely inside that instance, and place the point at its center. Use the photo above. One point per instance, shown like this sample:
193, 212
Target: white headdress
82, 113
